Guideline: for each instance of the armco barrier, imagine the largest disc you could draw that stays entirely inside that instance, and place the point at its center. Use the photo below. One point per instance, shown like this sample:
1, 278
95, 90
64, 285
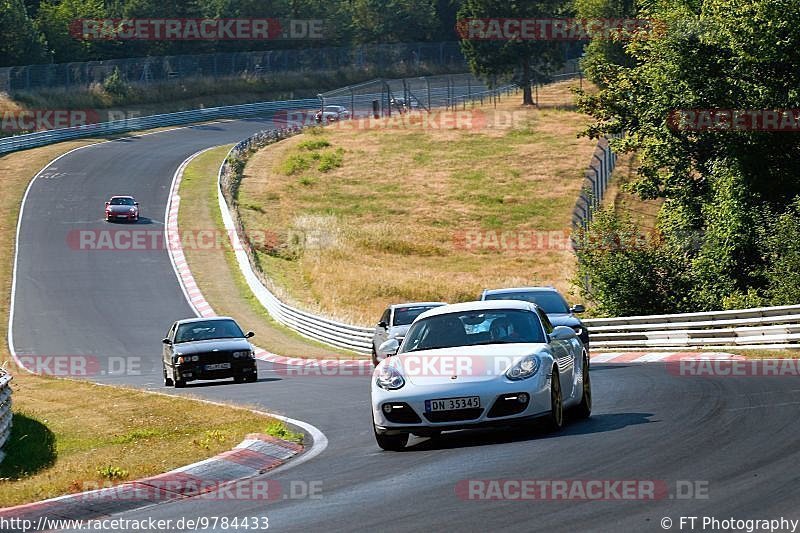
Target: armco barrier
5, 410
42, 138
757, 327
335, 333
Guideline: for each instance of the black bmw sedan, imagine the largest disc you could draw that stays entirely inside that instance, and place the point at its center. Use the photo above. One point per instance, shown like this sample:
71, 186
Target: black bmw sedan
206, 349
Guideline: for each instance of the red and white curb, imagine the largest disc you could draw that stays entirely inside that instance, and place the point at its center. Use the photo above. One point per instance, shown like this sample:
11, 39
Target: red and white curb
660, 357
225, 476
195, 296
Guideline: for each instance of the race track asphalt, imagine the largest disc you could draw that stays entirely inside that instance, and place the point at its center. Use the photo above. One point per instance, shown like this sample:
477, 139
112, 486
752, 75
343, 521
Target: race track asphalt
735, 437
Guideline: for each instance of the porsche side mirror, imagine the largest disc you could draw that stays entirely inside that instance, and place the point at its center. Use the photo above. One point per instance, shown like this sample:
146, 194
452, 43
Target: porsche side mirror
388, 348
382, 324
562, 333
249, 334
577, 308
166, 341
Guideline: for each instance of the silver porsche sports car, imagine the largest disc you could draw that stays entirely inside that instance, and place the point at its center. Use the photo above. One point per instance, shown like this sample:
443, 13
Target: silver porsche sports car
474, 364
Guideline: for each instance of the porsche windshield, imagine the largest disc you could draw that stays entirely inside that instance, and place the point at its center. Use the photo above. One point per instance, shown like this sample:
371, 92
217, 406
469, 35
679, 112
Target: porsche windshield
471, 328
122, 201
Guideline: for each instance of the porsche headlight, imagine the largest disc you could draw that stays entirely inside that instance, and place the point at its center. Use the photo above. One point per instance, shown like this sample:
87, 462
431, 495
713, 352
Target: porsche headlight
578, 330
389, 378
524, 369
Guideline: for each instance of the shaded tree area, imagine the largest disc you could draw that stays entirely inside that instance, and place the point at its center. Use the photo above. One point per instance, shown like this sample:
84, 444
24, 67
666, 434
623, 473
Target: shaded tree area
728, 229
43, 31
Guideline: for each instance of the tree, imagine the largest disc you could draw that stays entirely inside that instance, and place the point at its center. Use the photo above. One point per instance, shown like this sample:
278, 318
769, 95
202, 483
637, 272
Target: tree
20, 43
389, 21
717, 183
523, 61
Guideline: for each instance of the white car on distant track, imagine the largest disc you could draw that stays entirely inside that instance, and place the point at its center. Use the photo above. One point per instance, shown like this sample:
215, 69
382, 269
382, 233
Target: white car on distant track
331, 113
395, 321
474, 364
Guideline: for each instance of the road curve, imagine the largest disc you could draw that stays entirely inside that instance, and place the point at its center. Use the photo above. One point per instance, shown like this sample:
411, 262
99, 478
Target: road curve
736, 436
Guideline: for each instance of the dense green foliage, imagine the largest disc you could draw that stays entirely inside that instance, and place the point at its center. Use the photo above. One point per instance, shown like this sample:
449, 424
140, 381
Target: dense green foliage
728, 227
524, 61
38, 31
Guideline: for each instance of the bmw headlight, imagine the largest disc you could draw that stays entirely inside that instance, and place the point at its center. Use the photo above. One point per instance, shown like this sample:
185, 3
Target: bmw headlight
389, 378
524, 369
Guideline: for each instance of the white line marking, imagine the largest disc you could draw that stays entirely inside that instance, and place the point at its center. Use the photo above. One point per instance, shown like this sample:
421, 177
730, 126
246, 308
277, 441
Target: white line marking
22, 210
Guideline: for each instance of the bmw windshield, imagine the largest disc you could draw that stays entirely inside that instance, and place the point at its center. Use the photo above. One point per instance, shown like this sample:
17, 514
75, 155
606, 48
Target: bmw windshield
206, 330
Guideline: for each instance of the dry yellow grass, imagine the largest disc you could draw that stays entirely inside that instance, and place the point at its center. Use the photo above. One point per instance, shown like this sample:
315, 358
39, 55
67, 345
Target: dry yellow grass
390, 223
216, 270
61, 441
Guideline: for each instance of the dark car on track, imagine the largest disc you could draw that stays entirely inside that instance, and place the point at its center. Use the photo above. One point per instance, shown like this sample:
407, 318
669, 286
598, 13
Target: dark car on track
122, 208
206, 349
551, 302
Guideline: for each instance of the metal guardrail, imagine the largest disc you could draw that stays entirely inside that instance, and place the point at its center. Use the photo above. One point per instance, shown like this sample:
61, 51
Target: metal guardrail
595, 183
757, 327
329, 331
5, 410
42, 138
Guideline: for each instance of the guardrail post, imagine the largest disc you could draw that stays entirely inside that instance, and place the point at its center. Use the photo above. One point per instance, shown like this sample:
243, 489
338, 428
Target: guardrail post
6, 414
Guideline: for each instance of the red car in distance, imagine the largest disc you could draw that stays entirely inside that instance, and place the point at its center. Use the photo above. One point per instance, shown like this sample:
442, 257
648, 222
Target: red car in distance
122, 208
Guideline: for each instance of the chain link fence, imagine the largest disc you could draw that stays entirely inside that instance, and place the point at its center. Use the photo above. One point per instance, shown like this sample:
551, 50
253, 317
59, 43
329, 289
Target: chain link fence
382, 97
414, 56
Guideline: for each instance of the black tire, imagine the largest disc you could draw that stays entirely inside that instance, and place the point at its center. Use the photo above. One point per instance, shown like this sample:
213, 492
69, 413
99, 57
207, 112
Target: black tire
253, 378
391, 443
374, 357
179, 383
167, 380
555, 420
584, 409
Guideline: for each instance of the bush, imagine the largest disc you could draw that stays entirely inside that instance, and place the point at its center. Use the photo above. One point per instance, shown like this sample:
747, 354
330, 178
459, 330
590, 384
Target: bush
114, 85
627, 272
331, 160
781, 243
